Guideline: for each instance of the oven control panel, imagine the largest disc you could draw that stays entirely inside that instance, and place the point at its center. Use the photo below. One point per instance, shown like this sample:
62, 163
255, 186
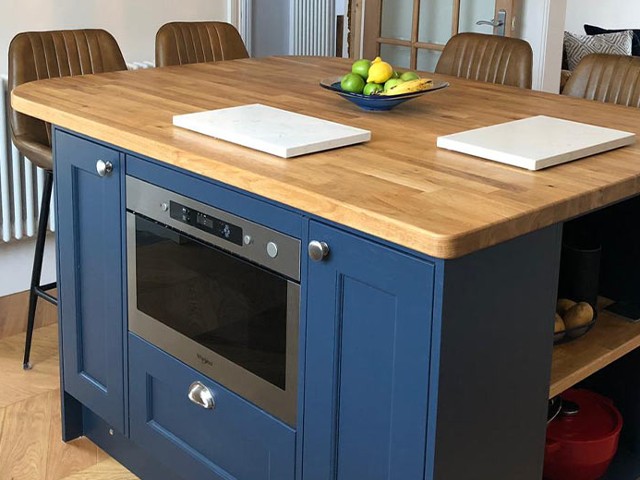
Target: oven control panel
206, 223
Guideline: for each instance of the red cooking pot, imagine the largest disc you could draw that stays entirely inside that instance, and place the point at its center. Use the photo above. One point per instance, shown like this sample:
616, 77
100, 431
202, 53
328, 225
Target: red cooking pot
583, 439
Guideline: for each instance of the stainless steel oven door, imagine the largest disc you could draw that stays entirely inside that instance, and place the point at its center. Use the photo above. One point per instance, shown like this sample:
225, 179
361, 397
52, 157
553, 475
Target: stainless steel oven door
223, 315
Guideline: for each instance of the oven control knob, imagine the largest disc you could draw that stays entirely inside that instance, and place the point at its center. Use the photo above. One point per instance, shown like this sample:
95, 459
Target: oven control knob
164, 206
247, 240
318, 250
272, 249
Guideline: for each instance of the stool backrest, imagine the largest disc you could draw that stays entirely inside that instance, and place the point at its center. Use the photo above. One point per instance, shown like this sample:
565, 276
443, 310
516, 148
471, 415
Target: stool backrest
180, 43
606, 78
41, 55
488, 58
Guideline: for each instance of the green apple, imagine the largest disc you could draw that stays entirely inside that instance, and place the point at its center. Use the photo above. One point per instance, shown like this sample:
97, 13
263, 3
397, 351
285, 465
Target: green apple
372, 88
361, 67
392, 82
407, 76
352, 82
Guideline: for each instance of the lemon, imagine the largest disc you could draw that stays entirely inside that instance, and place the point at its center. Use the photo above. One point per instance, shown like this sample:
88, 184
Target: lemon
376, 60
379, 72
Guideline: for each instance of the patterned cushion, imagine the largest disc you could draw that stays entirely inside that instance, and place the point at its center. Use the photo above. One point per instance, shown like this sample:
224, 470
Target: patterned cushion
635, 48
579, 46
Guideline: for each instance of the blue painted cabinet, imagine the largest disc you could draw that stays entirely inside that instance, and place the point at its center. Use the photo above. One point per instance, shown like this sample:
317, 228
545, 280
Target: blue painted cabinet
368, 344
90, 247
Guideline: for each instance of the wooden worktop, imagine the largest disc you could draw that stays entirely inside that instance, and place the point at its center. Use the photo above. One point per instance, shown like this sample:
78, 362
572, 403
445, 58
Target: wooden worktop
398, 186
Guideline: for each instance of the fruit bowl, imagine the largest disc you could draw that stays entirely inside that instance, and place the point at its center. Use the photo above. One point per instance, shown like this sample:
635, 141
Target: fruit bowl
377, 102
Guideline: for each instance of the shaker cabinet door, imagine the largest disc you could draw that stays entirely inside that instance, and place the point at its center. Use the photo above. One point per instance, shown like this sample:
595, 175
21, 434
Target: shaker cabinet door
367, 361
90, 242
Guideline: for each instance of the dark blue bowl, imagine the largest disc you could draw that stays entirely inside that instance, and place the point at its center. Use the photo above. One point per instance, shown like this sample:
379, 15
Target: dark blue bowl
377, 103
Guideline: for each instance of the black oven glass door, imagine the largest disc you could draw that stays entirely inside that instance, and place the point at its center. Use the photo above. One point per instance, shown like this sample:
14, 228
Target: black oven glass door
230, 306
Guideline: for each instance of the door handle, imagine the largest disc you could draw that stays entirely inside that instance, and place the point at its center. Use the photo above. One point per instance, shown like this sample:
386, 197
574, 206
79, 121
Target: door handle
104, 168
201, 396
497, 23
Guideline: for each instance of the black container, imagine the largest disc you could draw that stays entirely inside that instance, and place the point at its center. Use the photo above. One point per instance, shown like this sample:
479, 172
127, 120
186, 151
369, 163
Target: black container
580, 272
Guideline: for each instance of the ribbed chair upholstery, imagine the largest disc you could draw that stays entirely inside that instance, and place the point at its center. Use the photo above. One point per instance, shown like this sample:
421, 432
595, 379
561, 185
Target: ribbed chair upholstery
180, 43
606, 78
37, 56
488, 58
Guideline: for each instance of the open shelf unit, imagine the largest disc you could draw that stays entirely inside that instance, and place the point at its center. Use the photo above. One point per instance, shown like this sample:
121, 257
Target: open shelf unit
611, 338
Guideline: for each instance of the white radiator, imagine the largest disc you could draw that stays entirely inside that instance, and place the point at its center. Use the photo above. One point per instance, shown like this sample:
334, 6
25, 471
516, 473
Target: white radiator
313, 27
21, 183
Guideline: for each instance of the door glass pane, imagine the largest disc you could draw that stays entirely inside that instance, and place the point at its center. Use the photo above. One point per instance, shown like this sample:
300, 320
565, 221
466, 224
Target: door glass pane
427, 60
396, 19
397, 56
436, 17
473, 10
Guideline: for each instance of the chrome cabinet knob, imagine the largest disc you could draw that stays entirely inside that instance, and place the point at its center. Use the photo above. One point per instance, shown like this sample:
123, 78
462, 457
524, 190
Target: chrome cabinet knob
104, 168
201, 396
318, 250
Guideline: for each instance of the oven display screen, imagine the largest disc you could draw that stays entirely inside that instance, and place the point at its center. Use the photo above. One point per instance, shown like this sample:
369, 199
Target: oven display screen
206, 223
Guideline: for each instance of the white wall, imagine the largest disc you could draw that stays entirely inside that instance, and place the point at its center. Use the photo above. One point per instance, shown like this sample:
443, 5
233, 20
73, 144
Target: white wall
541, 23
605, 14
132, 22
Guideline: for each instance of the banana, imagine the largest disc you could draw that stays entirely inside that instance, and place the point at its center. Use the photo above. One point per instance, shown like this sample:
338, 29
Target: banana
411, 86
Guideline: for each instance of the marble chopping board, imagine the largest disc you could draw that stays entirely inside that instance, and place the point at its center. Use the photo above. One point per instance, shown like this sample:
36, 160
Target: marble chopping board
272, 130
536, 142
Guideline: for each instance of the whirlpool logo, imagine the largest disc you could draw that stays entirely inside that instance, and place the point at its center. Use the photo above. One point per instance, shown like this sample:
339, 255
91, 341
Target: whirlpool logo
204, 360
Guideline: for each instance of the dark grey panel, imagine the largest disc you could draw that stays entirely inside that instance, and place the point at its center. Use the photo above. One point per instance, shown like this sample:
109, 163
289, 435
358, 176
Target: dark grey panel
497, 334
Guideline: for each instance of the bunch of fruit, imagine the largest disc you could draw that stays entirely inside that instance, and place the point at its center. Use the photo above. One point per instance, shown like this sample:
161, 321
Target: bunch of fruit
377, 77
572, 318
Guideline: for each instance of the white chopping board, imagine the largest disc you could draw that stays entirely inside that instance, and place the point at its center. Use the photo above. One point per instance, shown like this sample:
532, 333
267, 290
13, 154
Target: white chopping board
272, 130
536, 142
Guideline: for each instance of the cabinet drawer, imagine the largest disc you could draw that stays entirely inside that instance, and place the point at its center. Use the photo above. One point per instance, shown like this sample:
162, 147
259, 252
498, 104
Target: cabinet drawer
234, 440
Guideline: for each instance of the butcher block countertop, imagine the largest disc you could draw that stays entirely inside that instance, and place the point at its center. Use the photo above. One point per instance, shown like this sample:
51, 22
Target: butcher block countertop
398, 186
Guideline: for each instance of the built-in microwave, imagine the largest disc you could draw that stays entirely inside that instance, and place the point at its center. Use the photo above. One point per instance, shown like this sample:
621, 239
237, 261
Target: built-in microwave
216, 291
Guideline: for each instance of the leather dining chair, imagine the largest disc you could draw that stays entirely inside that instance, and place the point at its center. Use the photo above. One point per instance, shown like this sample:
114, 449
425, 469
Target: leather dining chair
180, 43
488, 58
606, 78
37, 56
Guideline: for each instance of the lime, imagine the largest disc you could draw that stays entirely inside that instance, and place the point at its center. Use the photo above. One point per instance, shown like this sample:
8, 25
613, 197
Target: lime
361, 67
352, 83
406, 76
392, 83
372, 88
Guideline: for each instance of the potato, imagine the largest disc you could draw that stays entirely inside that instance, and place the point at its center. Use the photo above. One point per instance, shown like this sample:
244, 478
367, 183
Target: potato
577, 316
558, 325
563, 305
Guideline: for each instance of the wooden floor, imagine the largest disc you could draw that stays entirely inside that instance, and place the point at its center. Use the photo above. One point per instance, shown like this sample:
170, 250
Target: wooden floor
30, 437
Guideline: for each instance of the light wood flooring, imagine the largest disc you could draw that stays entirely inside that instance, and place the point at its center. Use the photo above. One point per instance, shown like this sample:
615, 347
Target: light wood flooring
30, 431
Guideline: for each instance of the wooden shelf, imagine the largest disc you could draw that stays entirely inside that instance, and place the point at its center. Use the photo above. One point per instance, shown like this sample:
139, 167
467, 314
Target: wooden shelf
611, 337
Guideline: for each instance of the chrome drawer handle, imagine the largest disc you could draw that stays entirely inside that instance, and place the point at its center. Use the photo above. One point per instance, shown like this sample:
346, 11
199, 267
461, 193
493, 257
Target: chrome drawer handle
201, 396
104, 168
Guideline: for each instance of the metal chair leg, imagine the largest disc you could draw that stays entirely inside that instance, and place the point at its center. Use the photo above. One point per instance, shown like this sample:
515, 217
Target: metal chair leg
36, 289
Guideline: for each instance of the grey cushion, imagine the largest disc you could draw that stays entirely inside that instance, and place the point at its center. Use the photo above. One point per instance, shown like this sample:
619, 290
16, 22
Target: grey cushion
635, 48
578, 46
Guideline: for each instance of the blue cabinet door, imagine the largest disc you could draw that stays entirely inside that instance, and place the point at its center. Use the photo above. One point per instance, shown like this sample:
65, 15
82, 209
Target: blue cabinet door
90, 281
368, 342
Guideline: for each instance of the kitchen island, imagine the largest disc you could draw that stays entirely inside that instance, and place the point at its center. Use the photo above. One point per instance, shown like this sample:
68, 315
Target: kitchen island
424, 344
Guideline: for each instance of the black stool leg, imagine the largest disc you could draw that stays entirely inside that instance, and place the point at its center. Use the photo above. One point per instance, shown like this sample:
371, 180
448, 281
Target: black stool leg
37, 264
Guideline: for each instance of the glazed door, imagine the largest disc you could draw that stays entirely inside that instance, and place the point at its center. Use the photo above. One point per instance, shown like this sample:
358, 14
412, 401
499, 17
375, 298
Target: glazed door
412, 33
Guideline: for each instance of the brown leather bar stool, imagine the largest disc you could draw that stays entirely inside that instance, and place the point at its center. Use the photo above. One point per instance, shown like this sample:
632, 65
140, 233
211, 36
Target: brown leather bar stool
179, 43
606, 78
36, 56
488, 58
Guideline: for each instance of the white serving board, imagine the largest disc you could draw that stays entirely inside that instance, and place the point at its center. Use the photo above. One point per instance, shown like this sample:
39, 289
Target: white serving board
536, 142
272, 130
